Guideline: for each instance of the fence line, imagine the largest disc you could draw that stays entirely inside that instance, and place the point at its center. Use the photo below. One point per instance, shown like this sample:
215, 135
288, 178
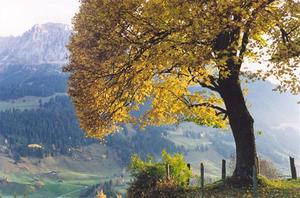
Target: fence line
223, 175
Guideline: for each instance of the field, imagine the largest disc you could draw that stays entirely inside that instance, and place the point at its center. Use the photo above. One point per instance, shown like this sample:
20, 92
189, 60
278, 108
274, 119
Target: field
27, 102
61, 176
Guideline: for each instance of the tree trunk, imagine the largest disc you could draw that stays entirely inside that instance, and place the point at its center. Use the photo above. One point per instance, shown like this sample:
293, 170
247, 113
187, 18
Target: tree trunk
241, 123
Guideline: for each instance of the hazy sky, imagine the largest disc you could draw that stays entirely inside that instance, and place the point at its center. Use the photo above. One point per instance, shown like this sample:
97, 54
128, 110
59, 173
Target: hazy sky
17, 16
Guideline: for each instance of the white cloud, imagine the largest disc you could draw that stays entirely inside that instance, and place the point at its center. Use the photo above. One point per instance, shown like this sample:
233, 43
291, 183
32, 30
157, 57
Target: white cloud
17, 16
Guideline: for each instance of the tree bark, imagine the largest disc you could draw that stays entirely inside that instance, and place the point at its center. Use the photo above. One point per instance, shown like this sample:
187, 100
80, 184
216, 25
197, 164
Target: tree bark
241, 123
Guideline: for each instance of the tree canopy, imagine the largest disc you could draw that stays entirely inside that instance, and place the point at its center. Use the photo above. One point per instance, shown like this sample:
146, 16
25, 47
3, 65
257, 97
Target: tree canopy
124, 53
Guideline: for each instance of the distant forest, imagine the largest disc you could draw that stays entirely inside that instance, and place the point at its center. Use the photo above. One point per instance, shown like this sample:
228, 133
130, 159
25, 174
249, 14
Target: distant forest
54, 127
18, 82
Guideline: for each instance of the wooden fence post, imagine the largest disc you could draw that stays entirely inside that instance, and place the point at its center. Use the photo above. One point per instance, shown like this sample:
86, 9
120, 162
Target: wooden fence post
257, 165
168, 171
189, 167
254, 177
223, 169
202, 179
293, 168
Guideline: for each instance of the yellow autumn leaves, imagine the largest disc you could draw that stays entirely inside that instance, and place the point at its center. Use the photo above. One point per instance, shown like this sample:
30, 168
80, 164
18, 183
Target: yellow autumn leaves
124, 54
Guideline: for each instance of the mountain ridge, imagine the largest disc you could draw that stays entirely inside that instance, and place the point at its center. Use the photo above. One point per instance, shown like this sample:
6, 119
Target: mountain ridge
42, 44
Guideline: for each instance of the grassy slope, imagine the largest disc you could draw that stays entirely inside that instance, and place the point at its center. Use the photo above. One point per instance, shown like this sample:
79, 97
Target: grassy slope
267, 189
73, 174
210, 158
267, 149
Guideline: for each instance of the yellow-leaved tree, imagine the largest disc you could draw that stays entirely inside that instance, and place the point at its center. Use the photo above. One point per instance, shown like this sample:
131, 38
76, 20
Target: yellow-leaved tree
124, 53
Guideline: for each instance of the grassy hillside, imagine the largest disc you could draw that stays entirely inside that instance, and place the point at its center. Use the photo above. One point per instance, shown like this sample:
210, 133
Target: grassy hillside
61, 175
210, 146
266, 189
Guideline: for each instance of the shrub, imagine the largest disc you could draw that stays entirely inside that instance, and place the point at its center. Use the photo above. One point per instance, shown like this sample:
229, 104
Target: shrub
150, 175
268, 169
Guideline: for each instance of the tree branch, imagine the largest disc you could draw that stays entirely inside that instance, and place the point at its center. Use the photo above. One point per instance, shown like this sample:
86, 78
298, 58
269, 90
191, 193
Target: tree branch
220, 109
248, 25
212, 81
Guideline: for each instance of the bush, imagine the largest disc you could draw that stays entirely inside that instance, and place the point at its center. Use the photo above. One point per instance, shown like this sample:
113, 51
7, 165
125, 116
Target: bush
150, 175
268, 169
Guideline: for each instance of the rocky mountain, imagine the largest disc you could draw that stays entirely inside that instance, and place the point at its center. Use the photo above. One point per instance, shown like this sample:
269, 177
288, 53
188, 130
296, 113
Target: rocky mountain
31, 64
42, 44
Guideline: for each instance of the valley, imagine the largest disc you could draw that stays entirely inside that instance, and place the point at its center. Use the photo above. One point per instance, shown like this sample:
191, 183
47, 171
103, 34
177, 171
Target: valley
35, 109
60, 175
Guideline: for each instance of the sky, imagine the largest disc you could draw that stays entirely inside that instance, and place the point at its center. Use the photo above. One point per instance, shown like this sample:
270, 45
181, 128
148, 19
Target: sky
18, 16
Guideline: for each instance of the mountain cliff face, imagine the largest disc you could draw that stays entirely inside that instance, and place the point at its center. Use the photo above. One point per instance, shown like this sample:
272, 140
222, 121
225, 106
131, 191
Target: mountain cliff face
31, 64
42, 44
